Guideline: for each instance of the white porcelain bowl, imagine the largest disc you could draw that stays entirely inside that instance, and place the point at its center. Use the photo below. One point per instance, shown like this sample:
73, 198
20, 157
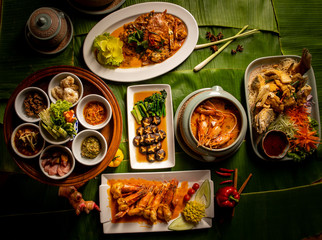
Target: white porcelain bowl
55, 81
57, 148
19, 103
14, 147
77, 144
82, 104
203, 153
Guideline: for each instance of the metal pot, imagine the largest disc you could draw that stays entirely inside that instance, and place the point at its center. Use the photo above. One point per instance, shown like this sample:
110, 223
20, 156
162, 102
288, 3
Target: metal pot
184, 125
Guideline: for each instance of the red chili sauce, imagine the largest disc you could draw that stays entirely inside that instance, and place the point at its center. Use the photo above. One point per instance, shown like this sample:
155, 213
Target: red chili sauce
274, 143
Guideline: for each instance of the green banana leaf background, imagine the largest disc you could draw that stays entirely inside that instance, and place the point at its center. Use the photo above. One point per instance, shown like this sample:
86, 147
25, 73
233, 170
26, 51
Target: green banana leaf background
279, 202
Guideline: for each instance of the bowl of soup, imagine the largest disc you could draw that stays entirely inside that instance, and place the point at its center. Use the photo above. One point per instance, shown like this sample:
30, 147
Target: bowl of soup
213, 124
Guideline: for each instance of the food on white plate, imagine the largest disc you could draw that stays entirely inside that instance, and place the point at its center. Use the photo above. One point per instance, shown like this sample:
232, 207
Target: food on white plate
58, 120
280, 99
180, 224
146, 200
215, 123
56, 162
203, 194
194, 210
34, 103
67, 90
90, 147
28, 141
108, 50
151, 38
149, 114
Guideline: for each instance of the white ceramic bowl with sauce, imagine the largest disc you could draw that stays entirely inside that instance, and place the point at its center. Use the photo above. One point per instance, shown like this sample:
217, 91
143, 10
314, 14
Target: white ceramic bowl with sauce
19, 103
55, 81
93, 98
77, 147
13, 144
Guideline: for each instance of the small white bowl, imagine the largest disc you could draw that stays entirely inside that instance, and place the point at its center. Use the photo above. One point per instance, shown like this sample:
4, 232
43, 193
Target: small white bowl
42, 143
55, 81
50, 139
70, 158
77, 144
19, 103
80, 111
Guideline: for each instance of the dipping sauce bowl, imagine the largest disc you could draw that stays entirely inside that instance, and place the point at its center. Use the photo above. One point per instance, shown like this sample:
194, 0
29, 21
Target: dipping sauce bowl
275, 144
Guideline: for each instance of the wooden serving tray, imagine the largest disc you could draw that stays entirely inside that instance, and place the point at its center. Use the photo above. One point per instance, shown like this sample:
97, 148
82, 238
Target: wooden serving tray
112, 132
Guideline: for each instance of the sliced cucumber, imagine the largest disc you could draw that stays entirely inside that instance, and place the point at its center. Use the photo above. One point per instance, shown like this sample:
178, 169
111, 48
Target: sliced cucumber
203, 193
180, 224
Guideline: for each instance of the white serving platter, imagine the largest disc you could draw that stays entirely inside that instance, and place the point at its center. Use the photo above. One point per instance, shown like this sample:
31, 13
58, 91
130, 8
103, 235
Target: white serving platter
254, 136
129, 14
195, 176
170, 161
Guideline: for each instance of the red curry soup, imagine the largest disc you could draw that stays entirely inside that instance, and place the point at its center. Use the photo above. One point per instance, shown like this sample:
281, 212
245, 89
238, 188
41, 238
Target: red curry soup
215, 123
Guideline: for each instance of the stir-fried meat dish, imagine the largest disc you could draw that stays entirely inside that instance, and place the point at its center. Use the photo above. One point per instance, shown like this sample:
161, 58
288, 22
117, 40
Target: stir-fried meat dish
274, 88
152, 38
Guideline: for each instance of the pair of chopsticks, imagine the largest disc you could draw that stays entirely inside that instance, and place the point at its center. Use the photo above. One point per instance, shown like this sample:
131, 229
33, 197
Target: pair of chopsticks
230, 40
241, 189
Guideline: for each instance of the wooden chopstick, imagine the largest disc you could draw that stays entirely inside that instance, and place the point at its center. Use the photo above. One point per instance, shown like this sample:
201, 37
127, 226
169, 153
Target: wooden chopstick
235, 186
235, 177
244, 184
199, 46
208, 59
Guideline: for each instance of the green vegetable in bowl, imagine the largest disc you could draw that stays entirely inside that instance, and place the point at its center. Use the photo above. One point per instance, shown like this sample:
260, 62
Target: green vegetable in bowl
108, 50
54, 120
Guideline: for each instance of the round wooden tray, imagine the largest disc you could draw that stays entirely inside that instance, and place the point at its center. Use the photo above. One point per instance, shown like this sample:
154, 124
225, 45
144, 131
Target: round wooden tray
112, 132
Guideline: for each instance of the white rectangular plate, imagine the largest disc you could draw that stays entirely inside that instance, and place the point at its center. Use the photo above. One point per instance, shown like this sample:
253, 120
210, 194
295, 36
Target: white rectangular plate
190, 176
254, 136
170, 161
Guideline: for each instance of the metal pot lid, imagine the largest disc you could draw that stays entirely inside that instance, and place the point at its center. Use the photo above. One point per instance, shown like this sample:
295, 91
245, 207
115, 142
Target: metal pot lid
44, 23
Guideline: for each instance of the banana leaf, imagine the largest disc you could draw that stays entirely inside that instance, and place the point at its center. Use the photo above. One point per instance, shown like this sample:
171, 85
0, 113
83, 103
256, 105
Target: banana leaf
279, 208
306, 14
259, 215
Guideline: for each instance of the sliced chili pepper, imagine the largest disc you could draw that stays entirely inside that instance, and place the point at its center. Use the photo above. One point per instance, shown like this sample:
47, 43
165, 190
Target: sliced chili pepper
226, 170
223, 174
227, 181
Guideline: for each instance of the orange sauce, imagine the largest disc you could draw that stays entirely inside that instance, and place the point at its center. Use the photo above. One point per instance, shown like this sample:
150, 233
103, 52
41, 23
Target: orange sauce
95, 113
129, 62
229, 121
163, 125
179, 195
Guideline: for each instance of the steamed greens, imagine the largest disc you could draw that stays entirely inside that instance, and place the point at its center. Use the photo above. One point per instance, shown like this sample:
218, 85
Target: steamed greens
153, 105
